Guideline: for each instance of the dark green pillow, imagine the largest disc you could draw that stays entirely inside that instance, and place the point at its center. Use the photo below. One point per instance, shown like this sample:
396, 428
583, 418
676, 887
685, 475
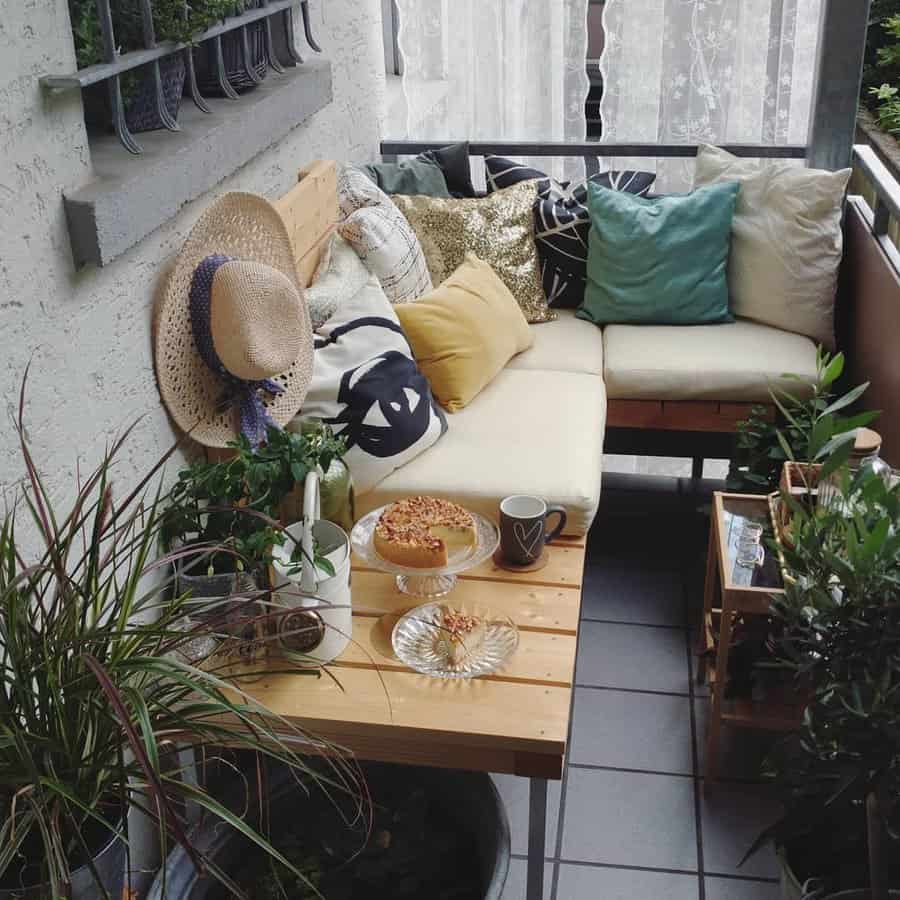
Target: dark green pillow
660, 261
413, 176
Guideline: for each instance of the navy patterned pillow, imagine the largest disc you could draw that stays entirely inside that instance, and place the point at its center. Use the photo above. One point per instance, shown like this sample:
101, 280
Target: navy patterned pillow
562, 222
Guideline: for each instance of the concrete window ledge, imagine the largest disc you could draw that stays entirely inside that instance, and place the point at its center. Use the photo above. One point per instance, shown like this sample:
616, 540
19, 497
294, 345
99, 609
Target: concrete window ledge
130, 196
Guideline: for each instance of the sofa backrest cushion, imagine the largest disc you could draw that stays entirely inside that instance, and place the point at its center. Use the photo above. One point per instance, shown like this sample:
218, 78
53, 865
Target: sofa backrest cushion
412, 176
562, 221
787, 240
498, 228
659, 261
381, 237
464, 332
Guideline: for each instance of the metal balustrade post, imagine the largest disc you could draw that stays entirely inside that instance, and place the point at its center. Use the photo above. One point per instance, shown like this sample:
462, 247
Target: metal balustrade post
842, 45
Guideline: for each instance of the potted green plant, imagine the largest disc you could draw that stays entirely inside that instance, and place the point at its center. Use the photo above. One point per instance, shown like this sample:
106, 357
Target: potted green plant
225, 516
96, 688
840, 775
807, 426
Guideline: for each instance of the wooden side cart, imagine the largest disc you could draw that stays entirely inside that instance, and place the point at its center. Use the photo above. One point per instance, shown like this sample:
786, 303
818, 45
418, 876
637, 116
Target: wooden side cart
515, 721
733, 590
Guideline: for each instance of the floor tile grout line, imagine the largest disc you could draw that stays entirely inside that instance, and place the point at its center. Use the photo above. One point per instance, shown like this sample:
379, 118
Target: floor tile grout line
591, 767
598, 621
624, 690
697, 783
561, 816
588, 864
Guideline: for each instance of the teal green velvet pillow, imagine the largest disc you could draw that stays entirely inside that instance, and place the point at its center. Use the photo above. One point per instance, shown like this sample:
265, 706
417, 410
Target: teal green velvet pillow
412, 176
659, 261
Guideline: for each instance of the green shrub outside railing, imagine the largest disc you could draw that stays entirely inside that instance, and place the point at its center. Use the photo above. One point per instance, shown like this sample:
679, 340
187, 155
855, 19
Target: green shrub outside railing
881, 75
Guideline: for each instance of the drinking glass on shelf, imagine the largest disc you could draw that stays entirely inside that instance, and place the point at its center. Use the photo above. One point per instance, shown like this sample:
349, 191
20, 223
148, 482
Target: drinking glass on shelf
750, 552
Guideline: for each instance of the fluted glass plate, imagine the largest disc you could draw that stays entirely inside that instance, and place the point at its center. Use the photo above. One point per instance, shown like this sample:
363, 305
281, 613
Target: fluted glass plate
425, 582
416, 643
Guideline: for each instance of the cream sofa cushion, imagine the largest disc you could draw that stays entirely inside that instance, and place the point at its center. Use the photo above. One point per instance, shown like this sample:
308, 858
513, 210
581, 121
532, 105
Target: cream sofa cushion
566, 345
527, 432
786, 240
733, 362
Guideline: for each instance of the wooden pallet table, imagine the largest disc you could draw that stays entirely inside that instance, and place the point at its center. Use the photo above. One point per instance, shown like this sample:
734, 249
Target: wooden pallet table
731, 590
515, 721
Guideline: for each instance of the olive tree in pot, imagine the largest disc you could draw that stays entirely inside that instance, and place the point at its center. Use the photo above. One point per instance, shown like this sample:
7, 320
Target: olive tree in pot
95, 689
840, 775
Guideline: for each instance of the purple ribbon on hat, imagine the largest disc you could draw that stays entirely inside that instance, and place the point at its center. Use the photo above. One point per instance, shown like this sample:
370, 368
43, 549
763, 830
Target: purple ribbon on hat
255, 418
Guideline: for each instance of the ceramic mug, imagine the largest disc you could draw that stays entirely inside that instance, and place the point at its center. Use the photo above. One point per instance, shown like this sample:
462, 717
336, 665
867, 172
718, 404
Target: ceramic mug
523, 528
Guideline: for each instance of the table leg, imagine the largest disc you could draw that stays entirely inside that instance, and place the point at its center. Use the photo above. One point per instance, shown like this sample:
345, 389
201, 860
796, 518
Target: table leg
718, 694
537, 831
710, 585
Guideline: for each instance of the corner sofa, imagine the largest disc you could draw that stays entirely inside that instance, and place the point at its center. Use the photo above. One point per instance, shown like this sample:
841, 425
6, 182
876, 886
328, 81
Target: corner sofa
539, 427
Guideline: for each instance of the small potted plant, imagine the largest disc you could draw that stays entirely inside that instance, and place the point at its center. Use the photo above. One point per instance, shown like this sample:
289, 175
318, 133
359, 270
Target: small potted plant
840, 775
807, 425
225, 516
95, 690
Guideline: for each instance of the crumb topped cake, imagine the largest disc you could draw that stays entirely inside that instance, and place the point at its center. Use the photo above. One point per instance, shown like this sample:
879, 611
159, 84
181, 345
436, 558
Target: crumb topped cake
422, 532
458, 635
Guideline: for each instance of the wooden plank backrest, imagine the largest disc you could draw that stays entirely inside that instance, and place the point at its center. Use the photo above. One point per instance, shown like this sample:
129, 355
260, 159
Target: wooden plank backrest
310, 212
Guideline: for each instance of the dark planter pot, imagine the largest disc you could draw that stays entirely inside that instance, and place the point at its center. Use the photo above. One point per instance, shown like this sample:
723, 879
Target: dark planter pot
110, 866
233, 57
792, 889
468, 800
141, 113
208, 591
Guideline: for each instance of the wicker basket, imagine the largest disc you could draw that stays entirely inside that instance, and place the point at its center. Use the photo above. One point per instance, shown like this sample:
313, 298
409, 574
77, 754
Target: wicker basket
141, 113
797, 480
205, 61
777, 510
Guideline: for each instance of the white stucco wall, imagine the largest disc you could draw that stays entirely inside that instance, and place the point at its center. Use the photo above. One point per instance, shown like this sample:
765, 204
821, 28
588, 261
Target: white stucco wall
88, 332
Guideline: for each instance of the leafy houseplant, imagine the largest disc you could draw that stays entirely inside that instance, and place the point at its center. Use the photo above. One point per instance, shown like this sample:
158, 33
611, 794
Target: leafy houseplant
805, 428
882, 73
235, 505
96, 688
840, 776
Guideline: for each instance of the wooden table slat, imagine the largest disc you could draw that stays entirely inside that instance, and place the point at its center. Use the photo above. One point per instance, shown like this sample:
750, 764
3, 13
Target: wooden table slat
530, 607
540, 658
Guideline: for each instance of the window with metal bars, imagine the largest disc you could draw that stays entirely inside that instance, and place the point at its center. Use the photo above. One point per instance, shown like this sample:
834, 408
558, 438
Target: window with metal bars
233, 70
132, 78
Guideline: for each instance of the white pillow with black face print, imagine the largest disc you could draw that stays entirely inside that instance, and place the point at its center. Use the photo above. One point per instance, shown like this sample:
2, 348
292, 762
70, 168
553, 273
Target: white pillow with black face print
367, 386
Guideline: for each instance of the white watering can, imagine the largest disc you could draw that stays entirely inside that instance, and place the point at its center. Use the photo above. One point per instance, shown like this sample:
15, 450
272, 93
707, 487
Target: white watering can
321, 629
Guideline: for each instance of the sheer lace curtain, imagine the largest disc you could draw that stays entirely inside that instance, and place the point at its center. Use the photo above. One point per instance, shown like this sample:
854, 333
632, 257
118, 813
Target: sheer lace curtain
510, 70
719, 71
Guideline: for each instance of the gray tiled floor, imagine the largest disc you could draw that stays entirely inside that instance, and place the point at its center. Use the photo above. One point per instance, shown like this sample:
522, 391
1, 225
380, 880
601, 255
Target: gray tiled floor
634, 819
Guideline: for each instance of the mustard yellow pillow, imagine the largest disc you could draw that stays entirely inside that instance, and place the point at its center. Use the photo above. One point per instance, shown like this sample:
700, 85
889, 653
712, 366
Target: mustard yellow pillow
464, 331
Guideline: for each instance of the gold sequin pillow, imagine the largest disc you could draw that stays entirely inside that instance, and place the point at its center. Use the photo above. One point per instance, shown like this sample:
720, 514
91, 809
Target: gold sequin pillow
498, 228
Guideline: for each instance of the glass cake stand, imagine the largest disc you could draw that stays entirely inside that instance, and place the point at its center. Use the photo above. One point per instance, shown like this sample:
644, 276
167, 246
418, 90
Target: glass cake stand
426, 583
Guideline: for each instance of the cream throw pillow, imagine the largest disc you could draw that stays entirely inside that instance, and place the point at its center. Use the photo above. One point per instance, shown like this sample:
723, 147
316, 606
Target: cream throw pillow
464, 332
381, 237
786, 241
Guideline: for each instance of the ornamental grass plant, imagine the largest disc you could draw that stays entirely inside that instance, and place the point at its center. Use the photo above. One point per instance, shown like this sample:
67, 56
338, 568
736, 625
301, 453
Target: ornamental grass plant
97, 691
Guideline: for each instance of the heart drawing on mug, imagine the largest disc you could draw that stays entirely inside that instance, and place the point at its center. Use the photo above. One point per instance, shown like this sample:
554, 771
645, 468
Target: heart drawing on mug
528, 540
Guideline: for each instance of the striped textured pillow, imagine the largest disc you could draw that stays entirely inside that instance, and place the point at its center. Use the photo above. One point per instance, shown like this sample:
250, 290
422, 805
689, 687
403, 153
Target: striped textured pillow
562, 221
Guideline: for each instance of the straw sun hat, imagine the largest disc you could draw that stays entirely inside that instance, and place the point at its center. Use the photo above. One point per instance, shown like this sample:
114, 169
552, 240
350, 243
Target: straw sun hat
234, 349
